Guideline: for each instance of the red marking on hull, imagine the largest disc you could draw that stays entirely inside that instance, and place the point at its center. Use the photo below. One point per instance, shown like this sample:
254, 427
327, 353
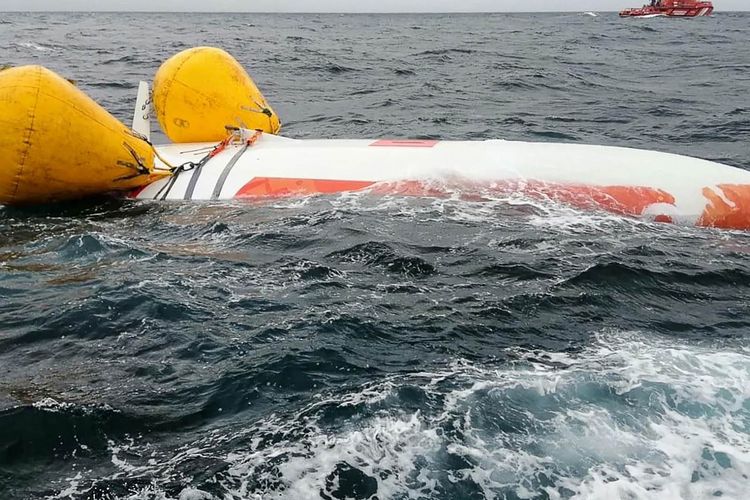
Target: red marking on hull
624, 200
728, 205
135, 192
667, 219
261, 187
727, 209
410, 188
399, 143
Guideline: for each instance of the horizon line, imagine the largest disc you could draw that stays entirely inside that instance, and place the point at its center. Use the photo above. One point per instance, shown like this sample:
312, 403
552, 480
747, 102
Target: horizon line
47, 11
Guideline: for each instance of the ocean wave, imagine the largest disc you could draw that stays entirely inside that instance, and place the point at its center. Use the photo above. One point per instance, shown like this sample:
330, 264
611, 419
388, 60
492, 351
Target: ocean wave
51, 428
38, 47
424, 347
632, 414
382, 255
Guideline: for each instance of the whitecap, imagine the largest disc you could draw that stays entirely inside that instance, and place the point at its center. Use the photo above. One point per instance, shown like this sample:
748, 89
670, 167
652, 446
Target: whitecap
633, 415
34, 46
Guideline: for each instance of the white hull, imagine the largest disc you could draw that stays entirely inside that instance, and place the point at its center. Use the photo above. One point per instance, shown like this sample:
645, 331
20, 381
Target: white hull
659, 186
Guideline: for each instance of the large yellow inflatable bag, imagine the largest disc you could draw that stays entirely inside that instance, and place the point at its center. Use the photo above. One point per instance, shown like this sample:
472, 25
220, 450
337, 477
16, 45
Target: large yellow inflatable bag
56, 143
200, 92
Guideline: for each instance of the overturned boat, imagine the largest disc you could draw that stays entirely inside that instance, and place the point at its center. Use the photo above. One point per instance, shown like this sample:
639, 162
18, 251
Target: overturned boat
657, 186
226, 146
671, 8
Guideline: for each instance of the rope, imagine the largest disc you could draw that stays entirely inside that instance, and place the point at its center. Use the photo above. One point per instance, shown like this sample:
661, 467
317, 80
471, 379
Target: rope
199, 168
139, 167
254, 138
249, 142
263, 110
174, 172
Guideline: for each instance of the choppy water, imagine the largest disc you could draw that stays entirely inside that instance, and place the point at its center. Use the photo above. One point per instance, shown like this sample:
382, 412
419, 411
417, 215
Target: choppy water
350, 347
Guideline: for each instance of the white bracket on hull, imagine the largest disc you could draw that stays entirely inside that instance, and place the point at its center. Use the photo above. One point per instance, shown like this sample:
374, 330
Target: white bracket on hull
142, 113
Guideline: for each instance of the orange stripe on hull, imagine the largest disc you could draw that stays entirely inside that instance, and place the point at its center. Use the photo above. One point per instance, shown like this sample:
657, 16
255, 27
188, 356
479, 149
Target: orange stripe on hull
261, 187
625, 200
728, 207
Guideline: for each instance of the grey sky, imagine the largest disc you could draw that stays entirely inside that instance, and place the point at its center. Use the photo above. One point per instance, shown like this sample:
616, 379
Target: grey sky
340, 5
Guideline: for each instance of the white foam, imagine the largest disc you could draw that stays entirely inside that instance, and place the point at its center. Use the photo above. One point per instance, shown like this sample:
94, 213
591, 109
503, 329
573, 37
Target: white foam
631, 416
194, 494
52, 405
34, 46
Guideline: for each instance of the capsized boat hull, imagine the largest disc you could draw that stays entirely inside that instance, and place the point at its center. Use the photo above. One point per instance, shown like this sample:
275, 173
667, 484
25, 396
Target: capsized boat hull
658, 186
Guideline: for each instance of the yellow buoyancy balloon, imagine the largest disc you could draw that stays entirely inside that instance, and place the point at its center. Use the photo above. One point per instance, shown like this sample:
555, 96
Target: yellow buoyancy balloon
201, 91
56, 143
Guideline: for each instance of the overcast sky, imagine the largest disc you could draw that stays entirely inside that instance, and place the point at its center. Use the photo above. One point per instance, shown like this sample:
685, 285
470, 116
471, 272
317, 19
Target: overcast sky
340, 5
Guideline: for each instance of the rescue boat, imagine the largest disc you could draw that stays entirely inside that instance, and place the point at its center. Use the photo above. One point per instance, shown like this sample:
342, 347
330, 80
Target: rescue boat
226, 146
671, 8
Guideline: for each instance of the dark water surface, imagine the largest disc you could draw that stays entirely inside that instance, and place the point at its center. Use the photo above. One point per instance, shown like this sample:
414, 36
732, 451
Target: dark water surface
350, 347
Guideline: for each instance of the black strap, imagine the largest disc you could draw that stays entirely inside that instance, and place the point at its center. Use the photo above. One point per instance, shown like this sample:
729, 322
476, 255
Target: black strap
167, 187
194, 179
225, 173
139, 167
185, 167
